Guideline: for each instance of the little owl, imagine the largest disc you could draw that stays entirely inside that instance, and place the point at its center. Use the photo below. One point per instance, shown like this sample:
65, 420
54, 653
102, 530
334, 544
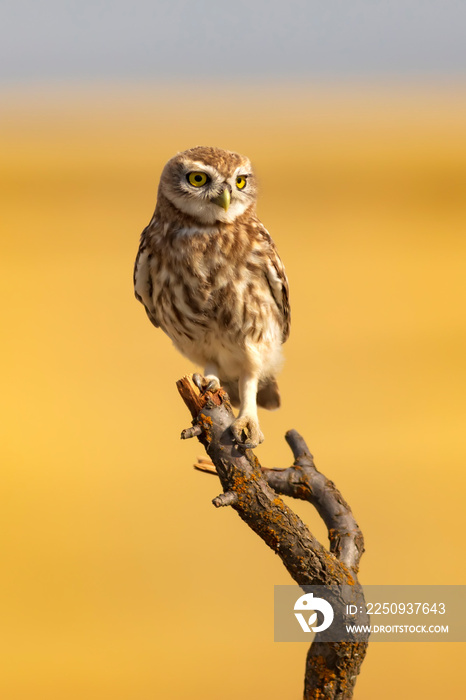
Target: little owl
209, 275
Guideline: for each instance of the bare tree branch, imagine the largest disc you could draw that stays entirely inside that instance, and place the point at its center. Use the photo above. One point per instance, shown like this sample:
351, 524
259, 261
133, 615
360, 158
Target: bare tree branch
303, 481
331, 667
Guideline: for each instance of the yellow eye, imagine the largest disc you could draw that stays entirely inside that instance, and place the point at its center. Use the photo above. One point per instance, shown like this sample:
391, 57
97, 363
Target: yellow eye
240, 182
197, 179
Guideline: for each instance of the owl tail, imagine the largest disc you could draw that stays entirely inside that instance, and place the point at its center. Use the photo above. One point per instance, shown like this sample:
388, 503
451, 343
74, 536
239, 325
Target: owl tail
268, 395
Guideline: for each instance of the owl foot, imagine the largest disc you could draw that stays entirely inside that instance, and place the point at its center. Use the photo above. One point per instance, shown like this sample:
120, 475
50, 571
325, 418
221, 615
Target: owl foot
209, 383
246, 431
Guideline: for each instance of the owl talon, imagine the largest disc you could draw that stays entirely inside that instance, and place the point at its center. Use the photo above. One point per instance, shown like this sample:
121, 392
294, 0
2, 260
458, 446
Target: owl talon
198, 380
246, 432
213, 384
209, 383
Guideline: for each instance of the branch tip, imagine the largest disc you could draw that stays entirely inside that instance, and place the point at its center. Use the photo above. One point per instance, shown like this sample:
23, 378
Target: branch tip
229, 498
298, 446
191, 432
205, 468
191, 394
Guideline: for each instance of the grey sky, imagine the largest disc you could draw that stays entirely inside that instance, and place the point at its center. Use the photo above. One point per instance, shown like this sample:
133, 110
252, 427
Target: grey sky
161, 40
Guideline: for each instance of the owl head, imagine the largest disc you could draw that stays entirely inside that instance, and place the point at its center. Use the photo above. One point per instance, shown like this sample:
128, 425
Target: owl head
209, 184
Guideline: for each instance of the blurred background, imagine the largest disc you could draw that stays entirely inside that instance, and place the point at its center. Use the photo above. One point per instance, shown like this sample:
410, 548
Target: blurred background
120, 580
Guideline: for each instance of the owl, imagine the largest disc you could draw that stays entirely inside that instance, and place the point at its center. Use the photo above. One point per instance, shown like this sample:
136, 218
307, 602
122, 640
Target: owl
209, 275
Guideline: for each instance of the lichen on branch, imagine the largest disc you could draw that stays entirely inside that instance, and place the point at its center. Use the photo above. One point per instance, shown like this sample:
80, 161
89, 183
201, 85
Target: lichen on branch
254, 492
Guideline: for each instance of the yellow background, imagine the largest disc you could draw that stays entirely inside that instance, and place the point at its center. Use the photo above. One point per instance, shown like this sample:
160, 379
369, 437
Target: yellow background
119, 578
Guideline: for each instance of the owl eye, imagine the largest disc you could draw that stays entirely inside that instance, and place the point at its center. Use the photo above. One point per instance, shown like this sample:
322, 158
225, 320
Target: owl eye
197, 179
240, 182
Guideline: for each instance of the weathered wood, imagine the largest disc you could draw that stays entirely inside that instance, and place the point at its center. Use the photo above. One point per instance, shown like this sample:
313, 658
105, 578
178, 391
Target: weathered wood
305, 482
331, 667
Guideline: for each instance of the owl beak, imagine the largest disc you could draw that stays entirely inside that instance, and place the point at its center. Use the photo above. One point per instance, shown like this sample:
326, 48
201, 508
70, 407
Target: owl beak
223, 200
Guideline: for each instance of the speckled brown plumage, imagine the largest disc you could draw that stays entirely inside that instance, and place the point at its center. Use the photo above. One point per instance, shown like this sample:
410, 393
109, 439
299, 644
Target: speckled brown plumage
209, 275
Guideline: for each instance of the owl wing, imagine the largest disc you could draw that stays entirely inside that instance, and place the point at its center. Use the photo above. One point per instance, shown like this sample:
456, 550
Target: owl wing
277, 280
142, 279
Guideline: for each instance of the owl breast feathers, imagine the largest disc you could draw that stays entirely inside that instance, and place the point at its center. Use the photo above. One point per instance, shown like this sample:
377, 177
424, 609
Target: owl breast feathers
209, 275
